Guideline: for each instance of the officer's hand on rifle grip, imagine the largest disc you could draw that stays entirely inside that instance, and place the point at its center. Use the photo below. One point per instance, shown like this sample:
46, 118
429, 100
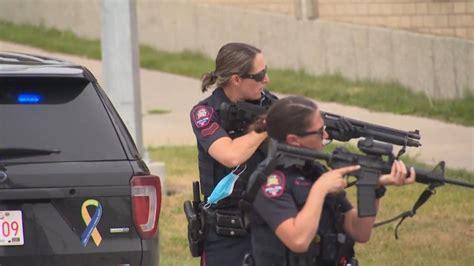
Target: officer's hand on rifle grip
398, 175
345, 131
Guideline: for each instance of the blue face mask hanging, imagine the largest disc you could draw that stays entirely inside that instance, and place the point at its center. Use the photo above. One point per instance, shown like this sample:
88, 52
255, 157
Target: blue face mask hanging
225, 187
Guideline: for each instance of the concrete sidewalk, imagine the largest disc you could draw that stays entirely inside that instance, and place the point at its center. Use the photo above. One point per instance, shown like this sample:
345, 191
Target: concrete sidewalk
441, 141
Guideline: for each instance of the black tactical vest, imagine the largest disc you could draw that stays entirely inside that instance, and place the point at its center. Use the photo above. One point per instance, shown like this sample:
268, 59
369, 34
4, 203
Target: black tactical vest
330, 244
208, 167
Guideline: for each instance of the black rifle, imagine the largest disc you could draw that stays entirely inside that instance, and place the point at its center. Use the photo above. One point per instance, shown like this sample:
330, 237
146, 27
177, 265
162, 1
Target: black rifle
241, 114
385, 134
236, 117
195, 222
371, 164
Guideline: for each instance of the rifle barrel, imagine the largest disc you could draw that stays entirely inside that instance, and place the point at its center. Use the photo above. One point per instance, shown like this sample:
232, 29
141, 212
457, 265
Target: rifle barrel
459, 183
382, 133
428, 176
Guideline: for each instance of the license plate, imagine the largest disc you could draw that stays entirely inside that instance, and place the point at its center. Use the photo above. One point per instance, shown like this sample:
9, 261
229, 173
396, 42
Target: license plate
11, 228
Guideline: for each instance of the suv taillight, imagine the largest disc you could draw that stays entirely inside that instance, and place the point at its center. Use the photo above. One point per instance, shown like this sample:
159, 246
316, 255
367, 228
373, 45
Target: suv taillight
146, 204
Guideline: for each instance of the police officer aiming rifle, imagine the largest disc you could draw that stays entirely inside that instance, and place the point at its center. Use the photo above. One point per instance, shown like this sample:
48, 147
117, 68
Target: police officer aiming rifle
301, 215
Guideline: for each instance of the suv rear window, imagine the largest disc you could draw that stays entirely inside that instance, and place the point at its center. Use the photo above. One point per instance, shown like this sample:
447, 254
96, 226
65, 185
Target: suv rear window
51, 113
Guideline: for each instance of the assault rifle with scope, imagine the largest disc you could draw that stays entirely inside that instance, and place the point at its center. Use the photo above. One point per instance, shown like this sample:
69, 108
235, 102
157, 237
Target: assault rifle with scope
372, 165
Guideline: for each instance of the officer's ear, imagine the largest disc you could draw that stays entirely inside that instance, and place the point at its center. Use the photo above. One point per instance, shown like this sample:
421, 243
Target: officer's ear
293, 139
235, 80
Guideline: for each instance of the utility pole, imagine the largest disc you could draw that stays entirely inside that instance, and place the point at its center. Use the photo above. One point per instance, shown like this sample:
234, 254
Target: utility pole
306, 9
120, 62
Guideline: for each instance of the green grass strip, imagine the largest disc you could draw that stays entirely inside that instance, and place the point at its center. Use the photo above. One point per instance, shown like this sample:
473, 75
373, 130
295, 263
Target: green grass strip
377, 96
50, 40
158, 112
383, 97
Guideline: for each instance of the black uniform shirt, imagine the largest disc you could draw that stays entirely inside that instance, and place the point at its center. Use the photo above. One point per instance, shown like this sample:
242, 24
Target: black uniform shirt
285, 193
206, 124
205, 119
281, 198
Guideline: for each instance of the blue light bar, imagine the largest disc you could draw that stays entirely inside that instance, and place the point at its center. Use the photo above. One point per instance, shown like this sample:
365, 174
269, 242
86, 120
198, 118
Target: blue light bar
28, 98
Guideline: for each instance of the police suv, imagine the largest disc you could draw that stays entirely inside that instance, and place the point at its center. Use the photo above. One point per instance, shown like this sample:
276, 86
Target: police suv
73, 188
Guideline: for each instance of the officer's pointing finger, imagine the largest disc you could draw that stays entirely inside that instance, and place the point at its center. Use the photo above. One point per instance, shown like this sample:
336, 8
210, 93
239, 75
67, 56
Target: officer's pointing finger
348, 169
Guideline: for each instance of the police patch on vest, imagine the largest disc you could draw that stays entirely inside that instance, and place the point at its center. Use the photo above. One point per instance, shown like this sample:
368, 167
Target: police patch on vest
275, 185
202, 115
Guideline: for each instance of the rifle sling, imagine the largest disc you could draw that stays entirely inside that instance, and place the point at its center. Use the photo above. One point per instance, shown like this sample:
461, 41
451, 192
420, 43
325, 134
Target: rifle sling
430, 190
248, 198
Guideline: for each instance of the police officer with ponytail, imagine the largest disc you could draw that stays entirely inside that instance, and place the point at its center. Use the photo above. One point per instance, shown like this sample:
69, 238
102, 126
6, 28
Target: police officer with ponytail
301, 215
228, 156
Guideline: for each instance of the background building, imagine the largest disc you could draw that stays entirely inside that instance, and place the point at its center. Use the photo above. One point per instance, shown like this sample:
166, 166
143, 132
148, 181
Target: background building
439, 17
426, 45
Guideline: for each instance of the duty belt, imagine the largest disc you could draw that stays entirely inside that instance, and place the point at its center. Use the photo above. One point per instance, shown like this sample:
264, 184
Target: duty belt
226, 222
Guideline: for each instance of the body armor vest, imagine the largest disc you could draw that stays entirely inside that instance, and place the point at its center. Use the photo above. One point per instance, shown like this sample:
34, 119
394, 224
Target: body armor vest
330, 243
208, 167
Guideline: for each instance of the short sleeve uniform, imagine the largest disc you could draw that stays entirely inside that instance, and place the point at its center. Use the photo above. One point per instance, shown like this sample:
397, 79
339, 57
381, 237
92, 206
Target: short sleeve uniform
280, 198
207, 127
206, 124
205, 120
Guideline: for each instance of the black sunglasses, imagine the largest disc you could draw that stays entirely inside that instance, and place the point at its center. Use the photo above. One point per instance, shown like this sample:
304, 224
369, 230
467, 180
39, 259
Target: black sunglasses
258, 76
319, 132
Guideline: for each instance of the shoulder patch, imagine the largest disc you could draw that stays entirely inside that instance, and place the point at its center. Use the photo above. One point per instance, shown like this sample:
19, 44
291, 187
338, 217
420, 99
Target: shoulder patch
201, 115
275, 185
210, 130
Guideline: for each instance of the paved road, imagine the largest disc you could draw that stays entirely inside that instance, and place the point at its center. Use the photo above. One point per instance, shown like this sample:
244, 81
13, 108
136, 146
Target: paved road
441, 141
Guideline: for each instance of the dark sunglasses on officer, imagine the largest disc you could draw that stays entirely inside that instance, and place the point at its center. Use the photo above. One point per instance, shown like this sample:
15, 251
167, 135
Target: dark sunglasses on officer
319, 132
257, 76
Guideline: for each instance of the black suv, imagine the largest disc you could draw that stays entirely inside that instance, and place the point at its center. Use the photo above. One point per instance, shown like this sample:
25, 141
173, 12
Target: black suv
73, 187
